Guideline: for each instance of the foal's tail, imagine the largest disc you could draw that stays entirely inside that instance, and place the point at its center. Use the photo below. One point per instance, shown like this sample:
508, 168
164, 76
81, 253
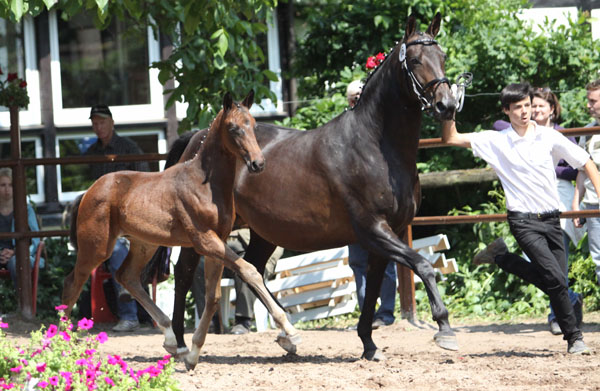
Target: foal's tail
73, 228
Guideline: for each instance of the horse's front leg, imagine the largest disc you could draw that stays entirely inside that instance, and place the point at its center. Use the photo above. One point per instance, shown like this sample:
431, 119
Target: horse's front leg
184, 277
381, 240
375, 273
289, 337
213, 270
128, 275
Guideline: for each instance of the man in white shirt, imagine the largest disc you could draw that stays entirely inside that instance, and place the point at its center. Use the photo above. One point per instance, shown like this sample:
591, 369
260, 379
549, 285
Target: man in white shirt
523, 156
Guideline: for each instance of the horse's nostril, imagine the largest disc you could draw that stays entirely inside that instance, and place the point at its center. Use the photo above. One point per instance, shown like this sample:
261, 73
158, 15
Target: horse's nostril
441, 107
257, 165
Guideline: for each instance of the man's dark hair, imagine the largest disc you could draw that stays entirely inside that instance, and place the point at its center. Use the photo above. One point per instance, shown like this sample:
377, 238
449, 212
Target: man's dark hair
515, 92
593, 86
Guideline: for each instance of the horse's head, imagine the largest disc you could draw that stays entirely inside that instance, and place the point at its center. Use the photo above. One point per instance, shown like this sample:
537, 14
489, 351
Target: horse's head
422, 60
237, 127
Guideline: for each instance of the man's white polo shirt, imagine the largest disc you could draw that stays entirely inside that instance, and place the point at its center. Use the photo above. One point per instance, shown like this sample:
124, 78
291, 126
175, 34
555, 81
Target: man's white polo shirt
525, 165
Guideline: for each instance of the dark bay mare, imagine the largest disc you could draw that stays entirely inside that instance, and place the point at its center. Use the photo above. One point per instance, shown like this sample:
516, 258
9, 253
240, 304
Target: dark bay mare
188, 205
352, 180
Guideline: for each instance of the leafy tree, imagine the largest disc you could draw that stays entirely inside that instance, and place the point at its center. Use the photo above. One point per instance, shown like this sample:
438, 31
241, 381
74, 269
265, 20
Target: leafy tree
215, 43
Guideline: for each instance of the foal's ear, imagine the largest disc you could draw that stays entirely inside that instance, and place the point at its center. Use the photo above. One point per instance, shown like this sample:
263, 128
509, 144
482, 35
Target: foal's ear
248, 100
227, 101
411, 24
434, 27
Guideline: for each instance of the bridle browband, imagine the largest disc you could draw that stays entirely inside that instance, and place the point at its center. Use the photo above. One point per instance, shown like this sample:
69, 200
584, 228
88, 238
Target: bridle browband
425, 99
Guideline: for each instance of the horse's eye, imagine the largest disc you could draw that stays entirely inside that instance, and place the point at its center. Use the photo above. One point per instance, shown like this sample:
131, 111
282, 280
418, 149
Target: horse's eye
236, 131
415, 61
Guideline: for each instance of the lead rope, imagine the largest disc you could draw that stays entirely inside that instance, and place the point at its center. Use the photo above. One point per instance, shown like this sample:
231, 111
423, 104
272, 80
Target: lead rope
463, 81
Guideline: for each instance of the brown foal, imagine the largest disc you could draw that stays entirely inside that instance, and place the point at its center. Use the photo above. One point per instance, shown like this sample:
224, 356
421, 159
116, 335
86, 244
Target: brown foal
188, 205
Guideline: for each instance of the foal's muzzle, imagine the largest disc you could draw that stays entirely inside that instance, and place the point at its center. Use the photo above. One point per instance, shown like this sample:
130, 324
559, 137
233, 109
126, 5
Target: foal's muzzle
255, 166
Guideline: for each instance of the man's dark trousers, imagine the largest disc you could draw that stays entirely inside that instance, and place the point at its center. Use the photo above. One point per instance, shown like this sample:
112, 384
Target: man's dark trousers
541, 239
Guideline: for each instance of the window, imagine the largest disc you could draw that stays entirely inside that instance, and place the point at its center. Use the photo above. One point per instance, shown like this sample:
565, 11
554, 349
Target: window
111, 66
31, 147
73, 179
17, 55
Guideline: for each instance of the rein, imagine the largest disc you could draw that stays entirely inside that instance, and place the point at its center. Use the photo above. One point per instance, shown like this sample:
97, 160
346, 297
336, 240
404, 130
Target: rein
420, 90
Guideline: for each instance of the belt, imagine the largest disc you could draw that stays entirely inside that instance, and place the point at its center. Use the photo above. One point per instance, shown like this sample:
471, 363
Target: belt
534, 216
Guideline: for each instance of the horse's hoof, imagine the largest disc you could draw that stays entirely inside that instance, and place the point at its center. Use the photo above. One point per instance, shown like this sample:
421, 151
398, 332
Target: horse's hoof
181, 352
189, 366
289, 342
374, 355
173, 350
446, 341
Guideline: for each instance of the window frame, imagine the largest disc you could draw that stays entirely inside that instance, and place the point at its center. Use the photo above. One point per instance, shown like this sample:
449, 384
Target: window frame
125, 114
33, 114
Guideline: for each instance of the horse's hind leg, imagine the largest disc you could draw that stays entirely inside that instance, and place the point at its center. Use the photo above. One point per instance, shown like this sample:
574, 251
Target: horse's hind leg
129, 274
375, 275
381, 240
184, 276
90, 255
213, 270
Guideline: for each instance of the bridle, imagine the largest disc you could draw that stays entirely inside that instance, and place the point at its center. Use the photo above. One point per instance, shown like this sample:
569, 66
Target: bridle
425, 99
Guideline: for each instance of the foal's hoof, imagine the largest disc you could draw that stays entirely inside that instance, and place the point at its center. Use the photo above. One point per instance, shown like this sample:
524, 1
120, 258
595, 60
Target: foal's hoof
289, 342
446, 340
374, 355
181, 352
189, 365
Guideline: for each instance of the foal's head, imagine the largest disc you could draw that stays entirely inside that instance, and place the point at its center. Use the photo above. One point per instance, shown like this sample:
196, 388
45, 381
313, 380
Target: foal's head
237, 129
423, 61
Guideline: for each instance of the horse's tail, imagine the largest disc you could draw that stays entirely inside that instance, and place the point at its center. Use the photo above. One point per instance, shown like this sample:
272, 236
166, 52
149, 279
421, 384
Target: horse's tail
73, 228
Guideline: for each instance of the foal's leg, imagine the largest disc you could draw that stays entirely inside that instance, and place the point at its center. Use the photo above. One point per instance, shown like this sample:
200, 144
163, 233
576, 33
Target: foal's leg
91, 252
212, 246
375, 273
184, 276
213, 270
381, 240
129, 274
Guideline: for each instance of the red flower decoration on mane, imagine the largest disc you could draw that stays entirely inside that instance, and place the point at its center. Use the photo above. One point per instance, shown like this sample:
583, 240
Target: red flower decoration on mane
375, 61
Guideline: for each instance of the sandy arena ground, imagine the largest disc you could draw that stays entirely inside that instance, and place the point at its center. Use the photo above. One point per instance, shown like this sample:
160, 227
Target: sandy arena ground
497, 356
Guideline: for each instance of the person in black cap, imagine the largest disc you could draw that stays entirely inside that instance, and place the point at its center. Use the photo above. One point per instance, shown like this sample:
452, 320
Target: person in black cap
110, 143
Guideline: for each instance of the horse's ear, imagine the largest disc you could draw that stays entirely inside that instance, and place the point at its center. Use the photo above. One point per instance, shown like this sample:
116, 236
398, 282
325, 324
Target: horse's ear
411, 25
249, 99
434, 27
227, 101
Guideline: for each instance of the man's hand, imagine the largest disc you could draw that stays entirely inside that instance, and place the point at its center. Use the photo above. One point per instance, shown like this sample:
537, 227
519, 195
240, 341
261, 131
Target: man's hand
5, 255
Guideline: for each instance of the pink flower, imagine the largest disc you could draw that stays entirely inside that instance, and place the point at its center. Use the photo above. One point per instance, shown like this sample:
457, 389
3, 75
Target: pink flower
16, 369
61, 307
81, 361
102, 337
65, 335
42, 384
40, 367
89, 352
108, 380
3, 325
371, 63
51, 331
85, 324
54, 380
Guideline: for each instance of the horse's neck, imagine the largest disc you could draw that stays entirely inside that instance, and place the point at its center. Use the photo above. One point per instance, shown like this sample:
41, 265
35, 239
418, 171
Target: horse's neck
214, 162
395, 114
